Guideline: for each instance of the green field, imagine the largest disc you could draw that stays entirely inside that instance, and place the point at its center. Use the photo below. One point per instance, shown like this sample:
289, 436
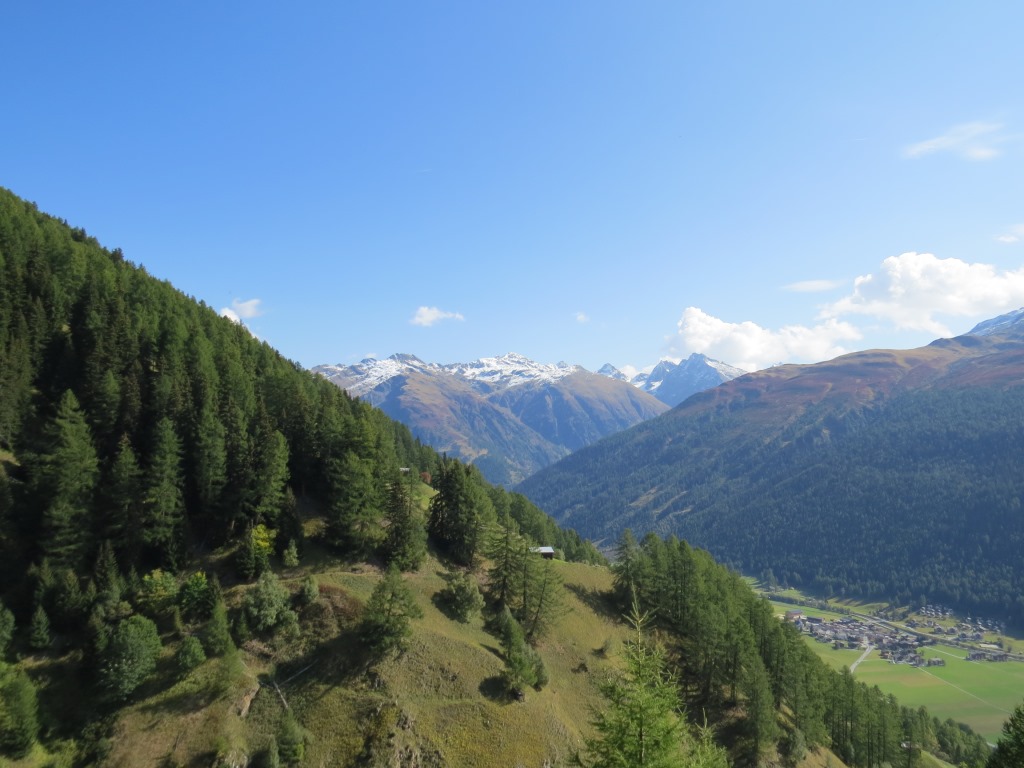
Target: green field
980, 694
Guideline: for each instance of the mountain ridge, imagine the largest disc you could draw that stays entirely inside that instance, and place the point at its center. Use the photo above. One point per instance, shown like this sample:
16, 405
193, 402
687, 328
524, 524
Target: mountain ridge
511, 415
860, 473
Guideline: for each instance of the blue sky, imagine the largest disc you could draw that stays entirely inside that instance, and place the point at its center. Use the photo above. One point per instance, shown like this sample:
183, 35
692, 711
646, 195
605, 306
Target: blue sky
581, 181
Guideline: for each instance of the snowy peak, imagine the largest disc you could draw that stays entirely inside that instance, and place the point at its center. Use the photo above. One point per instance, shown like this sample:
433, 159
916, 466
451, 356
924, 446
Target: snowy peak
368, 374
510, 370
612, 372
673, 382
1010, 321
489, 374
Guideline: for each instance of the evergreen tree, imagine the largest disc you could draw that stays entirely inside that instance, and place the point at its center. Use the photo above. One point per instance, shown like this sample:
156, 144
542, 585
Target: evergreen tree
642, 725
545, 601
266, 604
19, 721
6, 630
458, 511
1009, 752
461, 595
216, 633
121, 504
405, 541
354, 513
385, 623
508, 553
291, 743
39, 637
523, 665
163, 510
65, 479
189, 655
130, 656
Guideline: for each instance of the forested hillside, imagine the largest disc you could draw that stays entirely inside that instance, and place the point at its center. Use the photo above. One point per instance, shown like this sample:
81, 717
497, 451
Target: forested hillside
213, 557
140, 432
894, 475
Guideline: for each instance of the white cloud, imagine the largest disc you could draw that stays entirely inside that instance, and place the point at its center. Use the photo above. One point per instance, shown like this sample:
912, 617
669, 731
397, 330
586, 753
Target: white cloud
813, 286
242, 310
582, 317
630, 371
751, 347
428, 316
912, 290
975, 141
1013, 235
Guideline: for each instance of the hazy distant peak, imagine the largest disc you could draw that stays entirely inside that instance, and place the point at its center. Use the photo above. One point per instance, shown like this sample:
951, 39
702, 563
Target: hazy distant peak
612, 372
672, 382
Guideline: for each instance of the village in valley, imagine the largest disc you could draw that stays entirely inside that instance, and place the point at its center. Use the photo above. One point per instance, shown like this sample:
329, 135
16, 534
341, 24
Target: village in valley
903, 643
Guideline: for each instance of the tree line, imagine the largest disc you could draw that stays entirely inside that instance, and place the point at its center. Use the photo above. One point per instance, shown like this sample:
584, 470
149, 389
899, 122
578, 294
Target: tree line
730, 652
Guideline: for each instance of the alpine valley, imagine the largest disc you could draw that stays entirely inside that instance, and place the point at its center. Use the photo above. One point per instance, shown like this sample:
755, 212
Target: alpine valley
210, 556
511, 416
892, 474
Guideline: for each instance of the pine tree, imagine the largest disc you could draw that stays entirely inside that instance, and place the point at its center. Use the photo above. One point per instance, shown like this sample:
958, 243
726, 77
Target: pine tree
6, 630
507, 552
385, 622
121, 504
66, 479
405, 541
189, 655
39, 637
354, 512
216, 633
163, 508
291, 744
458, 511
19, 721
266, 604
1009, 752
130, 656
642, 724
546, 599
523, 665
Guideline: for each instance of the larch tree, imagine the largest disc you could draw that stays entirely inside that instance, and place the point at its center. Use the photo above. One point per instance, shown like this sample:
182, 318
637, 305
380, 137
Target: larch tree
66, 479
643, 722
163, 508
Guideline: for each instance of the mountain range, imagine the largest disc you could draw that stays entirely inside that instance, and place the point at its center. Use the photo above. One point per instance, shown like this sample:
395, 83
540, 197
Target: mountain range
510, 415
884, 472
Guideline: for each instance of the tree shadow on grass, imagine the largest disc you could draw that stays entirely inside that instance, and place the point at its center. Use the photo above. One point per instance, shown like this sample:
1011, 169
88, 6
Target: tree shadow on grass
600, 602
493, 688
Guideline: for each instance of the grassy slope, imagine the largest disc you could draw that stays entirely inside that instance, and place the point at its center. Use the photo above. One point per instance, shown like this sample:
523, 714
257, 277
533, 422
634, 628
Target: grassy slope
438, 701
436, 704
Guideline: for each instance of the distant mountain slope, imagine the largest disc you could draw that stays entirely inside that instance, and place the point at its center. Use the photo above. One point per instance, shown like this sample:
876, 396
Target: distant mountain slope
508, 415
892, 473
673, 382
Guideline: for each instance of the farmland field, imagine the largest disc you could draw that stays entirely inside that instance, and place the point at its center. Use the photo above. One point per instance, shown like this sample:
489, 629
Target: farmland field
981, 694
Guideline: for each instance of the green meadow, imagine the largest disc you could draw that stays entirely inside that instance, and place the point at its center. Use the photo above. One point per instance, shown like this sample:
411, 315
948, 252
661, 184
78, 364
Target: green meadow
979, 693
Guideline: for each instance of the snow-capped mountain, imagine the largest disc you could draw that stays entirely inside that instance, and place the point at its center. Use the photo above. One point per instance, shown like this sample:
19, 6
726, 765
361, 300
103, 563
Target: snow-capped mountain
509, 415
998, 324
673, 382
488, 374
